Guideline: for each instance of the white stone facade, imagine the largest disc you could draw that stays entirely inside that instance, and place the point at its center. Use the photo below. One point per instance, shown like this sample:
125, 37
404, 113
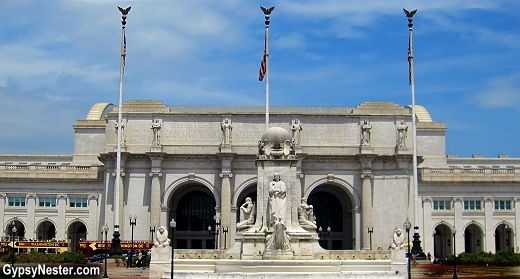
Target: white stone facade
370, 181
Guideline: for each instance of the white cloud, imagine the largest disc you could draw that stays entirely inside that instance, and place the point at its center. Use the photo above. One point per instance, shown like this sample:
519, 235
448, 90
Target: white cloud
501, 92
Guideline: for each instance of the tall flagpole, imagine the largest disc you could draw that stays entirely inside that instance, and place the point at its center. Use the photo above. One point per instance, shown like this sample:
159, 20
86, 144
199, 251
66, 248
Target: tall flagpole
267, 13
116, 241
416, 249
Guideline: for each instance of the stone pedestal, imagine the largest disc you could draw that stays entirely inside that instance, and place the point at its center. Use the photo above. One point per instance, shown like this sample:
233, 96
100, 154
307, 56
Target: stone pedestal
160, 263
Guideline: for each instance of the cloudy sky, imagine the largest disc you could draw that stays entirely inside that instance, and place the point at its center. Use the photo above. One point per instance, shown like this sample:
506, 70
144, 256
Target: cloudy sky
58, 58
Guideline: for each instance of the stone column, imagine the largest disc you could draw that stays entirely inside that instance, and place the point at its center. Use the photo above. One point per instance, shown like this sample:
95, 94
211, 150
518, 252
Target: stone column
488, 243
225, 197
357, 230
366, 197
225, 204
458, 208
155, 198
516, 223
93, 215
3, 202
366, 206
30, 230
156, 189
428, 240
61, 203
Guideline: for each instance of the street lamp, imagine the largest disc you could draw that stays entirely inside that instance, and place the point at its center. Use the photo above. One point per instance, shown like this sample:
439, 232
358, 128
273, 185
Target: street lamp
321, 232
172, 225
225, 231
454, 256
152, 231
14, 233
214, 233
104, 230
407, 225
370, 232
133, 222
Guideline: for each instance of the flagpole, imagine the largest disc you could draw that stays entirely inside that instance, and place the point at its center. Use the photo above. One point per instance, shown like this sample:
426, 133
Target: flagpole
414, 128
267, 13
116, 241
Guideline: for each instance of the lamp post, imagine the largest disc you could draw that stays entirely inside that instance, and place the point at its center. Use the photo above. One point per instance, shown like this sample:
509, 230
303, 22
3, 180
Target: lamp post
214, 233
104, 230
13, 230
320, 231
133, 222
454, 256
225, 231
370, 232
407, 225
152, 231
172, 226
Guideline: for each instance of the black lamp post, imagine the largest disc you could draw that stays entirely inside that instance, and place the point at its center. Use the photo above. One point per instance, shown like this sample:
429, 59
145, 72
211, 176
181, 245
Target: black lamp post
321, 232
214, 233
13, 230
225, 231
172, 243
407, 226
133, 222
370, 232
454, 256
104, 230
152, 231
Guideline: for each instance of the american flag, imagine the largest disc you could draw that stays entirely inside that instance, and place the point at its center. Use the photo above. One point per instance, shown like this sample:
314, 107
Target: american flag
263, 65
409, 63
124, 49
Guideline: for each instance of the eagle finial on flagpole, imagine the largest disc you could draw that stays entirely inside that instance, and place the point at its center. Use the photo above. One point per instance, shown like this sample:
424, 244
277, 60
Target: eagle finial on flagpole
410, 17
124, 13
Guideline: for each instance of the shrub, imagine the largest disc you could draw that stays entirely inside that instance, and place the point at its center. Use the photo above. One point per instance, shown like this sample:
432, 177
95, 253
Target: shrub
502, 258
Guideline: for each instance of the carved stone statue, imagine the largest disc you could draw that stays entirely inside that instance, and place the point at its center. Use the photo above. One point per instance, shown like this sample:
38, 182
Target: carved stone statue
278, 240
402, 131
247, 215
306, 216
123, 137
365, 133
226, 128
156, 127
397, 239
277, 200
161, 238
296, 127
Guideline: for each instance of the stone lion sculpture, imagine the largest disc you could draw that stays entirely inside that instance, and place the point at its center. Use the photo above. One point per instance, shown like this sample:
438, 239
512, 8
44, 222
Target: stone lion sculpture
161, 238
397, 239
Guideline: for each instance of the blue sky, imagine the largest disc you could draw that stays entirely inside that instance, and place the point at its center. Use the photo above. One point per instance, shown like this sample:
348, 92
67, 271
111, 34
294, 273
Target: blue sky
58, 58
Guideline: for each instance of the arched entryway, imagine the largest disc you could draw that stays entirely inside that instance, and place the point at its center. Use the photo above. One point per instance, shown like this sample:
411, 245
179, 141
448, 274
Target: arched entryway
76, 232
503, 237
19, 233
332, 209
194, 211
442, 241
472, 239
46, 231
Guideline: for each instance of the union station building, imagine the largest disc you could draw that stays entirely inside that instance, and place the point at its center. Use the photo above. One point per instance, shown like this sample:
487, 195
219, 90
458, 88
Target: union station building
198, 164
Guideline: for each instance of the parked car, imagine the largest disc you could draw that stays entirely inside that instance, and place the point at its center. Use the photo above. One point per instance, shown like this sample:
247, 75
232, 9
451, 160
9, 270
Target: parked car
98, 258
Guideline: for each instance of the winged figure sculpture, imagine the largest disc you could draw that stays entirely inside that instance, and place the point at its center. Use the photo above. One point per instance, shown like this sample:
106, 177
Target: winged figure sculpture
124, 11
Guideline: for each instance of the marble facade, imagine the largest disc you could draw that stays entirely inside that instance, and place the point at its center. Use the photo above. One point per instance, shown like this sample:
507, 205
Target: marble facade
358, 156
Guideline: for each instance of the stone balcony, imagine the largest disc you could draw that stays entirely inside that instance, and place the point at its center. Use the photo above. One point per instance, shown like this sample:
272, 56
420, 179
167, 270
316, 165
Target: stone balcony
50, 171
479, 174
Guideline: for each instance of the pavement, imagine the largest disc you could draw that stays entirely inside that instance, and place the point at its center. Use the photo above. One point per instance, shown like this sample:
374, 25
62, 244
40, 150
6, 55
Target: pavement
423, 270
118, 272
